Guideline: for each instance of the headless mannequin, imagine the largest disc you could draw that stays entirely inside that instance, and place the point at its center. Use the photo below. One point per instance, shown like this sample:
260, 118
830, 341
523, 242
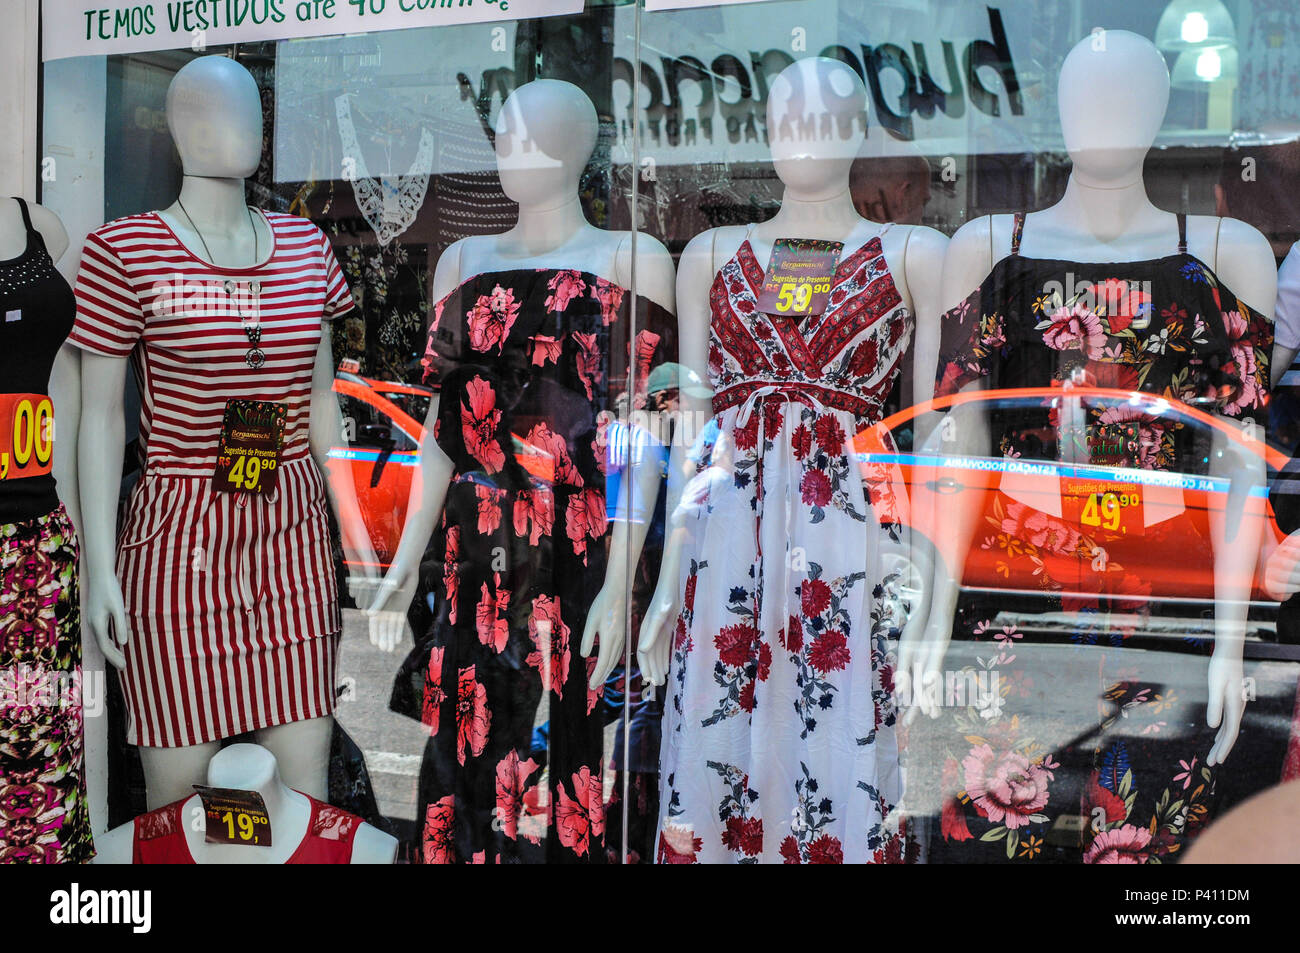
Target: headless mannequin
1112, 97
214, 113
250, 768
545, 134
816, 205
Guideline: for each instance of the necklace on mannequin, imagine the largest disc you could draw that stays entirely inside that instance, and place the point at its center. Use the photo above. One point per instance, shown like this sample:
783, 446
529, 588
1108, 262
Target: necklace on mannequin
255, 356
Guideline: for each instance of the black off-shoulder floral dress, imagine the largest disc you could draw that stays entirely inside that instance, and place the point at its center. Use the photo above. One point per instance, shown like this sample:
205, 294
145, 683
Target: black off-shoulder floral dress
1080, 741
528, 363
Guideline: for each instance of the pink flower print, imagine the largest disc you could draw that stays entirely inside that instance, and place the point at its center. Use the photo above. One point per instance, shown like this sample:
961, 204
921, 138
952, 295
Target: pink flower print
492, 623
1186, 774
545, 350
550, 637
593, 693
1075, 328
588, 361
647, 342
434, 696
451, 571
1006, 788
1242, 368
1038, 529
472, 715
549, 442
489, 508
534, 514
491, 319
479, 419
512, 778
610, 297
564, 287
439, 837
585, 517
580, 819
1123, 845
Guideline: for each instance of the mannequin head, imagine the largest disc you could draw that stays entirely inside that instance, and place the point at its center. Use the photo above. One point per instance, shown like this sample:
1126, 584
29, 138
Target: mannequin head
816, 122
214, 112
1112, 94
545, 135
244, 767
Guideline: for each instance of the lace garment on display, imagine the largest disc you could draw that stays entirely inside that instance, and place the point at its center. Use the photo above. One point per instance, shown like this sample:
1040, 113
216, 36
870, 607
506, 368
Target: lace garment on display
389, 204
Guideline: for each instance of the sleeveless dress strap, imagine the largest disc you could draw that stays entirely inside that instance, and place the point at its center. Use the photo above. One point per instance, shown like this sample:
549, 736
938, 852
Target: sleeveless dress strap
1182, 233
1016, 232
27, 218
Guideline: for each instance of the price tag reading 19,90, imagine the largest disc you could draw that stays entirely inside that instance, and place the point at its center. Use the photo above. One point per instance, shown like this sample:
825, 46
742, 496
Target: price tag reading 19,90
252, 438
799, 277
26, 436
235, 817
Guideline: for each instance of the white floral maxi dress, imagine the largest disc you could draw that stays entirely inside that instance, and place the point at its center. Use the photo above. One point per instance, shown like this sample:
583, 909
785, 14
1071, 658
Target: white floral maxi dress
779, 741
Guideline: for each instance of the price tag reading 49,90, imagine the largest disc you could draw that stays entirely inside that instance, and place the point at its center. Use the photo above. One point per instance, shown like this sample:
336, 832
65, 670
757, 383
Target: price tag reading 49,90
26, 436
799, 277
252, 438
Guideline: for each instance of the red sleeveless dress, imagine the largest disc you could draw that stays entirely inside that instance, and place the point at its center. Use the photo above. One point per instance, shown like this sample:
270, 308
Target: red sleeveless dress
160, 836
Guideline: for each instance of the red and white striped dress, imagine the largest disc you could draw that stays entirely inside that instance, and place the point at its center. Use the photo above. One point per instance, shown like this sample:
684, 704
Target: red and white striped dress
231, 598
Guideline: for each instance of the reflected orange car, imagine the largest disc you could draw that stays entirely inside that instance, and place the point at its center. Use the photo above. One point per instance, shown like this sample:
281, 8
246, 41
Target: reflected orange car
1077, 515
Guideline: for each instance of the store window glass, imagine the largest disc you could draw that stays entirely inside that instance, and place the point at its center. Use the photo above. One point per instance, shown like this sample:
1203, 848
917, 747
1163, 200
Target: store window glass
791, 431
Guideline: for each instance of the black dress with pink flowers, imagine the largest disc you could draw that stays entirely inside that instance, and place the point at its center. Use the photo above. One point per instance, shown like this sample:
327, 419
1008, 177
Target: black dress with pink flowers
1067, 733
528, 364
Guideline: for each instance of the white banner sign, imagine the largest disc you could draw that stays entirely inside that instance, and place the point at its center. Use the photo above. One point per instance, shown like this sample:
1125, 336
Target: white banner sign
99, 27
687, 4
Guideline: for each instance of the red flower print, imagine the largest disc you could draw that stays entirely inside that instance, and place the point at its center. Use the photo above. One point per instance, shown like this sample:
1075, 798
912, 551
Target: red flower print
610, 297
434, 696
493, 626
489, 509
550, 637
864, 358
772, 417
747, 699
763, 332
814, 597
1106, 374
688, 599
764, 661
1075, 328
534, 514
715, 357
472, 715
744, 835
512, 778
952, 823
801, 441
479, 419
451, 571
734, 642
826, 850
439, 837
1008, 788
1120, 304
545, 350
585, 517
678, 844
829, 652
593, 693
790, 850
815, 488
580, 819
491, 319
1110, 802
548, 441
793, 636
1123, 845
747, 436
564, 287
588, 361
829, 434
647, 343
896, 328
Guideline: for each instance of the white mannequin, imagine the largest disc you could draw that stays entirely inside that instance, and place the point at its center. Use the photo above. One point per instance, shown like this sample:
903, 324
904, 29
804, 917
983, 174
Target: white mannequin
816, 205
214, 113
545, 134
1113, 90
250, 768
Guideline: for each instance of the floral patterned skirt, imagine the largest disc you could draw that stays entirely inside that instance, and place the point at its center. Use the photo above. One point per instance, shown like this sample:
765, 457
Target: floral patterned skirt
1077, 739
44, 816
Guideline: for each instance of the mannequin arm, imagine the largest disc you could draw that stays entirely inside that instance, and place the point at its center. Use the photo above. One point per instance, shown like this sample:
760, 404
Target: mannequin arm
1235, 533
100, 446
65, 392
423, 508
326, 432
922, 266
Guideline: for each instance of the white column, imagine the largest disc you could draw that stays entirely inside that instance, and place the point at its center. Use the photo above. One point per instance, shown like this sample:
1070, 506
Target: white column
20, 62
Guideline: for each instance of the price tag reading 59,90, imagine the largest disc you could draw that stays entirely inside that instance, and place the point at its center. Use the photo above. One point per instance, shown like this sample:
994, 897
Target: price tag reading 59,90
26, 436
799, 277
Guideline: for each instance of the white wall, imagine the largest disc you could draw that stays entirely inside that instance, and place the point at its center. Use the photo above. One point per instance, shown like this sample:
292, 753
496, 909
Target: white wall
19, 66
